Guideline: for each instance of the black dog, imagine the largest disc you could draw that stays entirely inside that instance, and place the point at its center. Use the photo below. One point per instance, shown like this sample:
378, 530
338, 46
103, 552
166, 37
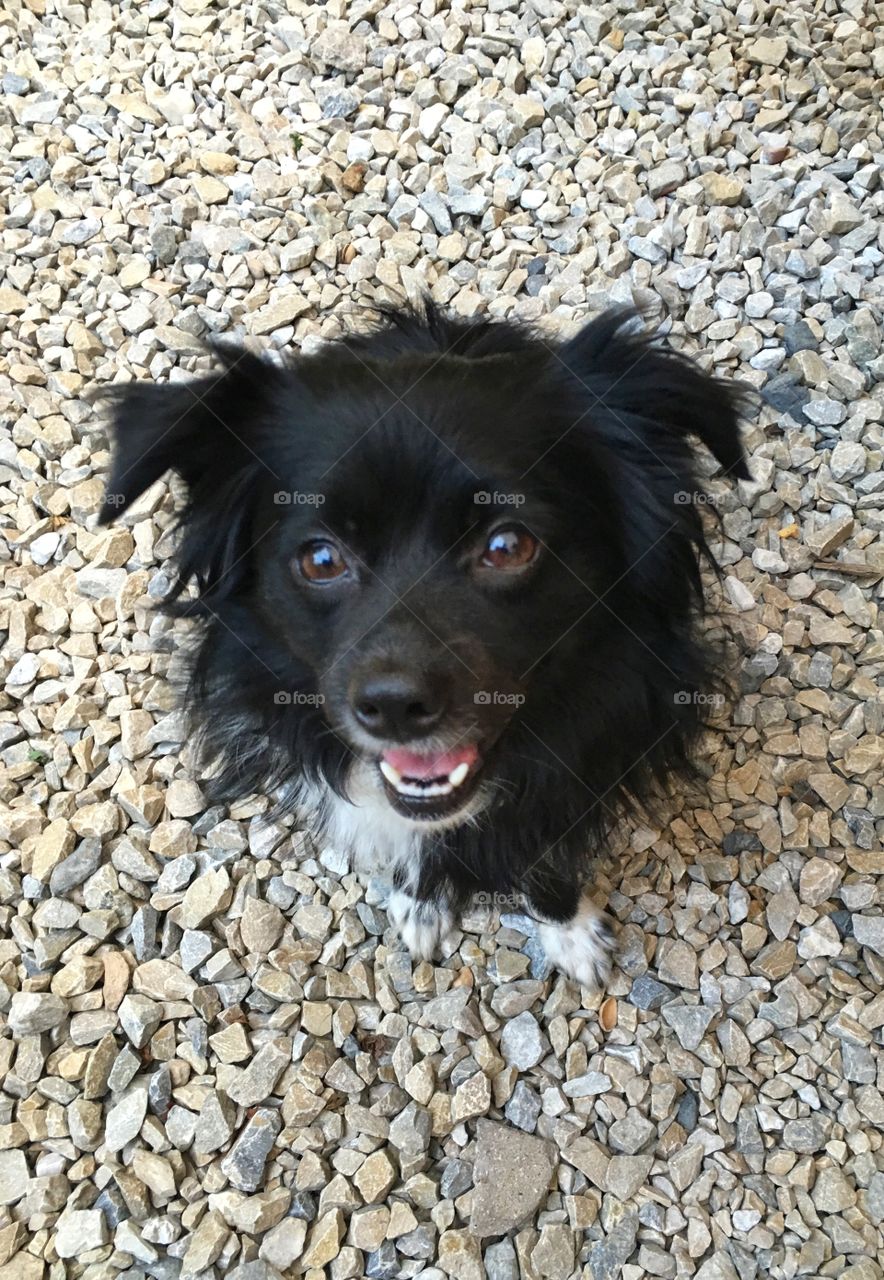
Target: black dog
449, 581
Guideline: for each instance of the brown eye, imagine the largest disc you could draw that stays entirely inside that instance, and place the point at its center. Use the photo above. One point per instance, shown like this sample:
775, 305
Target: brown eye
508, 549
321, 562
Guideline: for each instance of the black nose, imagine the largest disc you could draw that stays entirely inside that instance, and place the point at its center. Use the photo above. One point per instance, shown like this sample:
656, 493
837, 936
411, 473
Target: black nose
397, 705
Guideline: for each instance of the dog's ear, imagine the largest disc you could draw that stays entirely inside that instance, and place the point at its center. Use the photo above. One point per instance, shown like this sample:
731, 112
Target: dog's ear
652, 397
641, 406
204, 429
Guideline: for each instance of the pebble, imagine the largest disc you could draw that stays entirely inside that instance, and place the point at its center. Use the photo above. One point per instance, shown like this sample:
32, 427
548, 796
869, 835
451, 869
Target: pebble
648, 993
244, 1164
678, 965
256, 1081
125, 1118
215, 1123
79, 1231
869, 932
689, 1022
205, 898
522, 1042
14, 1176
499, 1205
32, 1012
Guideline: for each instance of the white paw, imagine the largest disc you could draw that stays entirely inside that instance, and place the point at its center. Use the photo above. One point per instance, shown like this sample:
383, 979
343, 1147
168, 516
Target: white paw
582, 948
422, 926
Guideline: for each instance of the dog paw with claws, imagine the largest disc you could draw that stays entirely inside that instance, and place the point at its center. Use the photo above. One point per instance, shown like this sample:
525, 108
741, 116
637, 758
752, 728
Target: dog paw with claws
422, 926
583, 948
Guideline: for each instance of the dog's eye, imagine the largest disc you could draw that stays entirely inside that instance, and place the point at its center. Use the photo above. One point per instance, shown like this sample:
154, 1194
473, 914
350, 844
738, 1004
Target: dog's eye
321, 562
510, 548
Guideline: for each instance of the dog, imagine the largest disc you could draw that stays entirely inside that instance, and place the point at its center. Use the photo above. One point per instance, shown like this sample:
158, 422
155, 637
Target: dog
447, 577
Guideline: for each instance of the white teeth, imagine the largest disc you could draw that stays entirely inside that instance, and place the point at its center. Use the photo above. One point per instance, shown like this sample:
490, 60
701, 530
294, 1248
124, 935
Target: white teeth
409, 787
431, 789
393, 776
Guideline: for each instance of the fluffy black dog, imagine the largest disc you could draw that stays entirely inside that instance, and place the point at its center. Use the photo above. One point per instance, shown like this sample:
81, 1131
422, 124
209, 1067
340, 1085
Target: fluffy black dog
448, 577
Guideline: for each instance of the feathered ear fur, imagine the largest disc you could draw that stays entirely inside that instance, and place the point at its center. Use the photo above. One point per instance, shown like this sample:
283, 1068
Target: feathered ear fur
197, 428
209, 430
658, 395
644, 406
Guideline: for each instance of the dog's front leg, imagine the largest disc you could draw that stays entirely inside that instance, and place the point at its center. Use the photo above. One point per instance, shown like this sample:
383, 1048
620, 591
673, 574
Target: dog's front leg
575, 934
422, 923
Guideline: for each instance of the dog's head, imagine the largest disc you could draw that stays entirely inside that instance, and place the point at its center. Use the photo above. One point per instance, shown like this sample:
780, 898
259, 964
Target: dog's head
417, 537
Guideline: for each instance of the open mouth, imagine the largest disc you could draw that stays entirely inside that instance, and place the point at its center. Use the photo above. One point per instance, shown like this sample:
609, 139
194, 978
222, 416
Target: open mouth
430, 784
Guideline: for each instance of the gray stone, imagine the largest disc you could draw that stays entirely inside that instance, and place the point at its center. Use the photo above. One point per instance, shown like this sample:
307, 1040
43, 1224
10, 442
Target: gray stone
807, 1135
688, 1112
410, 1131
799, 337
631, 1134
76, 867
869, 932
257, 1081
215, 1123
14, 1177
735, 1047
648, 993
627, 1174
144, 933
501, 1262
848, 460
500, 1203
32, 1012
608, 1256
689, 1022
523, 1108
125, 1118
665, 178
140, 1016
522, 1043
587, 1086
159, 1091
243, 1165
678, 965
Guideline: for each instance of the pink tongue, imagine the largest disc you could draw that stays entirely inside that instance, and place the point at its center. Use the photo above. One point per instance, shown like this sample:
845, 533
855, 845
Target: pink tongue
416, 764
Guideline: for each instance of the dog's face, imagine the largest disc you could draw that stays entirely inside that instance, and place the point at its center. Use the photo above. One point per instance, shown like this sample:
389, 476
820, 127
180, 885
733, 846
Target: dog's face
420, 574
426, 538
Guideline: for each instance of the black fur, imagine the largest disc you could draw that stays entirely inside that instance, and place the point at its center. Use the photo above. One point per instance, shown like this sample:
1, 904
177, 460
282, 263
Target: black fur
397, 431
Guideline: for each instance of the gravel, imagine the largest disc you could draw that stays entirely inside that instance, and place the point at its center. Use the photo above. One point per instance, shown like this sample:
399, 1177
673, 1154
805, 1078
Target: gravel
217, 1058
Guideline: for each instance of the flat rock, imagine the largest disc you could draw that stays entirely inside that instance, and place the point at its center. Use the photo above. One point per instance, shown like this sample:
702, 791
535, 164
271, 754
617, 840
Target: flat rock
770, 51
501, 1204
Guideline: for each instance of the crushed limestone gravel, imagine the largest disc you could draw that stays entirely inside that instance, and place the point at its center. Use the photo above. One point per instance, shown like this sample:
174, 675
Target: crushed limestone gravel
216, 1058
